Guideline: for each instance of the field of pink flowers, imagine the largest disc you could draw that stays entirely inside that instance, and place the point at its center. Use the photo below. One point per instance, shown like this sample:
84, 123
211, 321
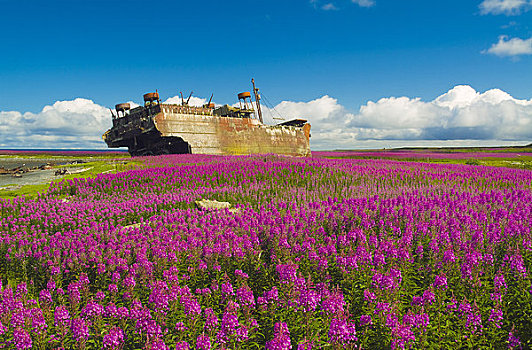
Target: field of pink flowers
322, 253
421, 154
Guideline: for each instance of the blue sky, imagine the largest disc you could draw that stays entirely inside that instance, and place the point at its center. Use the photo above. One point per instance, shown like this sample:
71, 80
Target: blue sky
353, 52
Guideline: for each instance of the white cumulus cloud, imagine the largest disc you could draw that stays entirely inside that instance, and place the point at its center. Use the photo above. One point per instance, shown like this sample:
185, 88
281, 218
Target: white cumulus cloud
460, 117
507, 7
77, 123
511, 47
194, 101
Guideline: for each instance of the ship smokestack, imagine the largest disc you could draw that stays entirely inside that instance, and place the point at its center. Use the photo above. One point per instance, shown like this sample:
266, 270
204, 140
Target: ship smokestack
151, 98
122, 107
245, 97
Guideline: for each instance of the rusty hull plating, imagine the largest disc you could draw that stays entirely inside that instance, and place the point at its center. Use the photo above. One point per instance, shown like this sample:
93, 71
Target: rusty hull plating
157, 128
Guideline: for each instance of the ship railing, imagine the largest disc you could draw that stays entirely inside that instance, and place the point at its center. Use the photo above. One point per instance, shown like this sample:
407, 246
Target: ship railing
177, 109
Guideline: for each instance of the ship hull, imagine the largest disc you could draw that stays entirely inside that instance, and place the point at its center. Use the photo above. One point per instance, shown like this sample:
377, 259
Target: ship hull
177, 129
208, 134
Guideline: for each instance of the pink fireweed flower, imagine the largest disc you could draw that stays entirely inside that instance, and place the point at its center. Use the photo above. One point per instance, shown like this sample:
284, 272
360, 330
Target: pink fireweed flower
129, 282
448, 257
242, 333
180, 327
281, 339
211, 320
50, 285
203, 342
18, 319
417, 300
497, 297
182, 345
38, 323
80, 330
115, 276
495, 318
114, 338
113, 288
513, 341
22, 290
473, 322
245, 296
305, 345
84, 279
440, 282
111, 311
428, 297
334, 303
242, 274
392, 320
369, 296
308, 300
100, 295
21, 339
342, 332
286, 273
229, 323
416, 320
382, 308
402, 337
157, 344
500, 283
61, 316
74, 292
191, 306
92, 310
45, 296
227, 289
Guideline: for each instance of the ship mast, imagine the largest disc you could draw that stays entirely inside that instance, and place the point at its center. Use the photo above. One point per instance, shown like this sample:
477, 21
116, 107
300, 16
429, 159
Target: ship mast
257, 99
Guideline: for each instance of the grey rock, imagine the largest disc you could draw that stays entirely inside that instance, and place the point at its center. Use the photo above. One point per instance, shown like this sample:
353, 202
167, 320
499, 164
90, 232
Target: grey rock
207, 204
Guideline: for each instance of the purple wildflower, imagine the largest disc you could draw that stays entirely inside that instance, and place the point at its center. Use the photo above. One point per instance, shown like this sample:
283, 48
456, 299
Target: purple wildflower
182, 345
365, 320
281, 339
61, 316
203, 342
245, 296
80, 330
334, 303
495, 318
242, 333
402, 336
211, 320
180, 327
227, 289
45, 296
114, 338
513, 341
440, 282
428, 297
22, 339
342, 332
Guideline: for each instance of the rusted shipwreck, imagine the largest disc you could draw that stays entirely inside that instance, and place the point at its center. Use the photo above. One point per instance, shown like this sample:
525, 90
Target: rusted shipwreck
160, 128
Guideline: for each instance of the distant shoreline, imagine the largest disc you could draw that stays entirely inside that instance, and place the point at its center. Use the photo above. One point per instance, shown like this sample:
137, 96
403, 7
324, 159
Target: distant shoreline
66, 151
